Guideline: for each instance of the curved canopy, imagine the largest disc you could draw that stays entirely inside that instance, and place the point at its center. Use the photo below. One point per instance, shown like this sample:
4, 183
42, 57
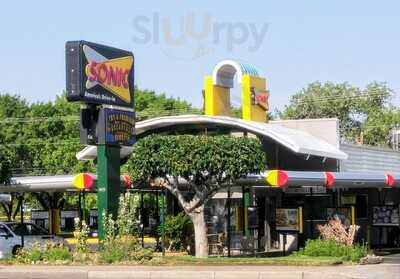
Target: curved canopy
294, 140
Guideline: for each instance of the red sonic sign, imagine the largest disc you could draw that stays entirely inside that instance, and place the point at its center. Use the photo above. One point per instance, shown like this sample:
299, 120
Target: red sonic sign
99, 74
260, 98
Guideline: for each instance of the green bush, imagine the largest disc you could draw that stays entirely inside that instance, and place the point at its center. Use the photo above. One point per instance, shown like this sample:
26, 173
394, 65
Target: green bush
120, 243
113, 254
141, 255
178, 230
57, 254
32, 255
330, 248
124, 249
48, 253
81, 234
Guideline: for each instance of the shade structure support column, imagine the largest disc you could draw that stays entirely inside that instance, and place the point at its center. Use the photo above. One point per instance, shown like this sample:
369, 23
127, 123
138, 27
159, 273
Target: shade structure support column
228, 223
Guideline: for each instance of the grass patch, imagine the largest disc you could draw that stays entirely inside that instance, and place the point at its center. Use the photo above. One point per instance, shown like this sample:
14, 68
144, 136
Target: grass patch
296, 260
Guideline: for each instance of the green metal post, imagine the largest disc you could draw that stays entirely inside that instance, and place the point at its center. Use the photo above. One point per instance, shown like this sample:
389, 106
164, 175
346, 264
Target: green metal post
84, 209
108, 183
158, 221
162, 223
228, 221
142, 217
80, 212
247, 202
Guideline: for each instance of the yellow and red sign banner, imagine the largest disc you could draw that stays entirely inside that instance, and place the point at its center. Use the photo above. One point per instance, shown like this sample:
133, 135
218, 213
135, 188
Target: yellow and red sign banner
83, 181
329, 179
277, 178
389, 180
260, 98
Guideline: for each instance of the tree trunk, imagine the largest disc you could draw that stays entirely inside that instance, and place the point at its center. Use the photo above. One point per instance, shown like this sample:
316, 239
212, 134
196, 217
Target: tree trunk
200, 232
8, 213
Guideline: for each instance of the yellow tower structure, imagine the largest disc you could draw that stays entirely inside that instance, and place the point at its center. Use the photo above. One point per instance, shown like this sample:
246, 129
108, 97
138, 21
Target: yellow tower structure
254, 93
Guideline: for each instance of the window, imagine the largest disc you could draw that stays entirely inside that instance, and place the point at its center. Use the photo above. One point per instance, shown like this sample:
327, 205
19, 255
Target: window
4, 231
27, 229
19, 229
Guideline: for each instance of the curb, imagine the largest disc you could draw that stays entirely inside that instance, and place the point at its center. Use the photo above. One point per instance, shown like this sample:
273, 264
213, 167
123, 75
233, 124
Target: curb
171, 274
211, 275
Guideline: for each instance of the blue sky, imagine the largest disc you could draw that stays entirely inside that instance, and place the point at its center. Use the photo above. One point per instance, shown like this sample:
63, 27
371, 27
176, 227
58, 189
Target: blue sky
305, 41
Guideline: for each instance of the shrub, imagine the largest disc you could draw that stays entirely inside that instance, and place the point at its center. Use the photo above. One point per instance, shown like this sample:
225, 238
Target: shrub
141, 255
113, 254
120, 243
178, 230
125, 222
46, 253
57, 254
32, 255
330, 248
81, 234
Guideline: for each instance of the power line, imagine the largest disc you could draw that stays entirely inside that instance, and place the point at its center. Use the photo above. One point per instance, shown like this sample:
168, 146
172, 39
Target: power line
307, 99
147, 112
150, 111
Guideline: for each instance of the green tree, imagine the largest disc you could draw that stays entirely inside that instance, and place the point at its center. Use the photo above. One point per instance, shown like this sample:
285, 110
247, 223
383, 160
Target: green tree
149, 104
378, 127
54, 134
13, 152
13, 110
351, 105
207, 164
42, 138
9, 208
5, 164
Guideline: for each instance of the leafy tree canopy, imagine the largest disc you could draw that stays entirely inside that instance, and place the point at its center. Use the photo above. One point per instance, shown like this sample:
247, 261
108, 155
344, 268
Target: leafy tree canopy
201, 160
5, 164
42, 138
357, 109
149, 104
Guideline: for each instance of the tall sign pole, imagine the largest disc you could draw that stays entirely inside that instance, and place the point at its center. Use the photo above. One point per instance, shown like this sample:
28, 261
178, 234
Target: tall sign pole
102, 78
108, 173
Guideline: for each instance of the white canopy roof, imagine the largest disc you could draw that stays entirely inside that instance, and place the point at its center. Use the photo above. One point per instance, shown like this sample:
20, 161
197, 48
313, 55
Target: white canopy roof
294, 140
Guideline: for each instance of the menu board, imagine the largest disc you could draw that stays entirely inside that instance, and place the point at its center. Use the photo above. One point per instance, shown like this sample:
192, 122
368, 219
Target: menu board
287, 219
341, 213
387, 215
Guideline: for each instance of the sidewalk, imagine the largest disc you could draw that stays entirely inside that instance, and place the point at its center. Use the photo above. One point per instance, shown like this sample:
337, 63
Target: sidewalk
382, 271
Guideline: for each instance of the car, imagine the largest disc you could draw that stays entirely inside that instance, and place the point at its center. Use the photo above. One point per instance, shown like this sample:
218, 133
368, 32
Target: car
11, 232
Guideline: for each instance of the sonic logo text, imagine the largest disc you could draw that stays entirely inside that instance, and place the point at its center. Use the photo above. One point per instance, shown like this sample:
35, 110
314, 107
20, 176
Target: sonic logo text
107, 74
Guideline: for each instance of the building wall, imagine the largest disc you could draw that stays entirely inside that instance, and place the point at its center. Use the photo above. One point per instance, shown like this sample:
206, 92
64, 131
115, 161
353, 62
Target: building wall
369, 159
